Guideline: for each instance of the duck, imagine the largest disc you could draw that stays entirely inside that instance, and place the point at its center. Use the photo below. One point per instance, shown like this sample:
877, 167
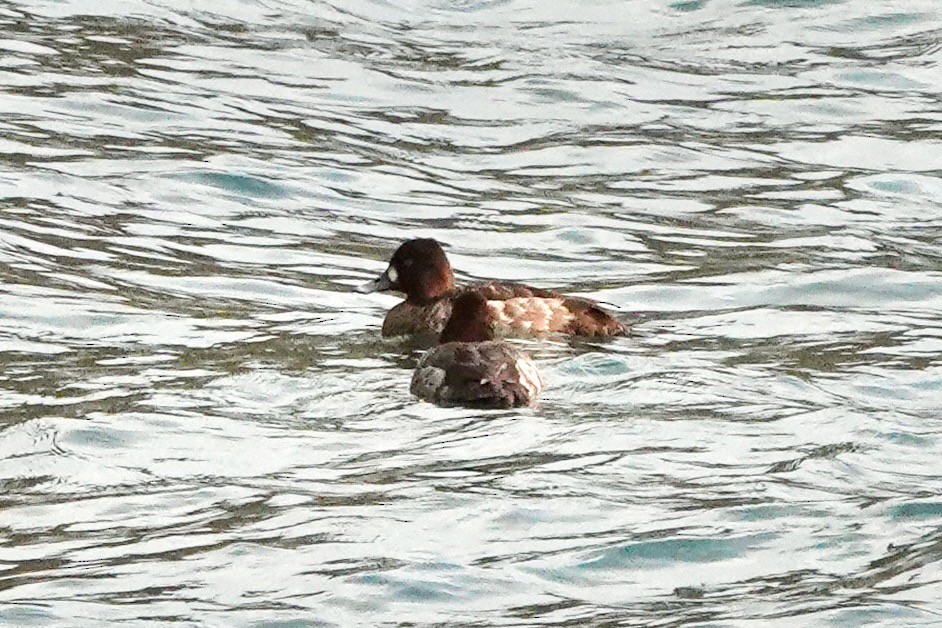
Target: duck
420, 269
470, 368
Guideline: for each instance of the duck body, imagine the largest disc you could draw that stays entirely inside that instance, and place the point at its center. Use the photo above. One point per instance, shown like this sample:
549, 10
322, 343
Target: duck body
470, 368
489, 374
421, 270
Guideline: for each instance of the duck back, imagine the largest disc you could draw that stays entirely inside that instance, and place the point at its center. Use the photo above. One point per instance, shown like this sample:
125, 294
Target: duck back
486, 374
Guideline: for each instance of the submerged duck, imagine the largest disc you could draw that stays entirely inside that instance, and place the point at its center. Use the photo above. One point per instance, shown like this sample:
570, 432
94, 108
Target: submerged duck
420, 269
470, 368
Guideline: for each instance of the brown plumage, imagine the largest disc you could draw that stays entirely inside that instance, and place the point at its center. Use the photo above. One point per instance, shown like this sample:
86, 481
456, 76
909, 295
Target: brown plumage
420, 269
470, 368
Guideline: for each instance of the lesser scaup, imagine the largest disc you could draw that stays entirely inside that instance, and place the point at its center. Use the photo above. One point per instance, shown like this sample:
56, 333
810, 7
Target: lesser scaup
470, 368
420, 269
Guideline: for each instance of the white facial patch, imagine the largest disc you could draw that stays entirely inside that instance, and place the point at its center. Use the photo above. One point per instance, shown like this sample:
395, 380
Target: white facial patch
392, 274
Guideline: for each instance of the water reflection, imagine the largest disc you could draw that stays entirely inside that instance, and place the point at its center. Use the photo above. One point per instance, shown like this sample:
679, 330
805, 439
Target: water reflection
200, 423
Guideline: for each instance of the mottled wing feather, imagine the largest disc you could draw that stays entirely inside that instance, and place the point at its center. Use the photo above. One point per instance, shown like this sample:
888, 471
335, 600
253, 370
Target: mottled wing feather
529, 310
535, 316
517, 310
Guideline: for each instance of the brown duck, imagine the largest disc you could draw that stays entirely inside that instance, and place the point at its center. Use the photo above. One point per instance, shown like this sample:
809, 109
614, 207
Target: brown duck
470, 368
420, 269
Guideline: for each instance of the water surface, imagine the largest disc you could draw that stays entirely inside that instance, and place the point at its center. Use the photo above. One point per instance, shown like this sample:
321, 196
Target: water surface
199, 422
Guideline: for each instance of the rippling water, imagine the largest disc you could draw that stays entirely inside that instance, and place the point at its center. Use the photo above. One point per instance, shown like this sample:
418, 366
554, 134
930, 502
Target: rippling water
200, 423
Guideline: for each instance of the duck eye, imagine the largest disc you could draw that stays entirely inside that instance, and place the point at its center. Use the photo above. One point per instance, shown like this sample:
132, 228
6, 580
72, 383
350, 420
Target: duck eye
407, 262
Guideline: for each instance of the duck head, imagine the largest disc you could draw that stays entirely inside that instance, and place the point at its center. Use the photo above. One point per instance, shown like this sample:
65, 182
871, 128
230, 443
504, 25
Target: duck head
419, 268
468, 321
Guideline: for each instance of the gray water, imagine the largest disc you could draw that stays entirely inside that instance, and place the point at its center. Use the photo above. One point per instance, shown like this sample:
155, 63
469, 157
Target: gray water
200, 424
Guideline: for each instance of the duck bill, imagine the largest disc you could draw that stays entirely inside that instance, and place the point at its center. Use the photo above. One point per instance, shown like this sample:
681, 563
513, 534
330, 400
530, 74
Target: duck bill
383, 282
